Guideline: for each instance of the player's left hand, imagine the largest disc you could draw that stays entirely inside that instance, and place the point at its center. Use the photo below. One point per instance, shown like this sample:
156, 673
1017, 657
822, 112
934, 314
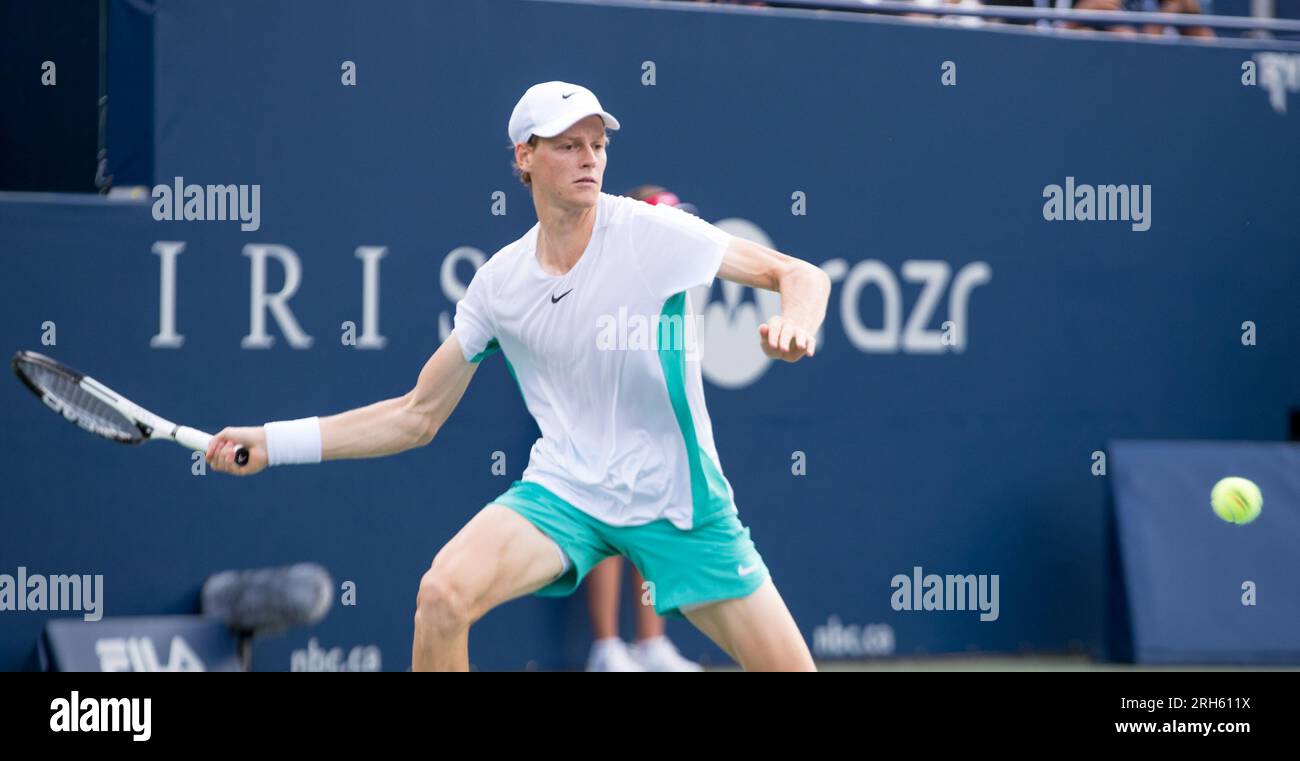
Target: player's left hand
781, 339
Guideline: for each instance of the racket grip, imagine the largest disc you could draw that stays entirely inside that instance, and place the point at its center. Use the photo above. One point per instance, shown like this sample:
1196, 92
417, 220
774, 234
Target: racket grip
197, 440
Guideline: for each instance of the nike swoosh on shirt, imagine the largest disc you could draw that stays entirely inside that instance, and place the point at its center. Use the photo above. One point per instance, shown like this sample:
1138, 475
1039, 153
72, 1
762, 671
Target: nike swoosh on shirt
556, 299
746, 570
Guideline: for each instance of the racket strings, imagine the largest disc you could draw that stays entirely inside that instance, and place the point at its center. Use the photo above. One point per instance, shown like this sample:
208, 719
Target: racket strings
87, 407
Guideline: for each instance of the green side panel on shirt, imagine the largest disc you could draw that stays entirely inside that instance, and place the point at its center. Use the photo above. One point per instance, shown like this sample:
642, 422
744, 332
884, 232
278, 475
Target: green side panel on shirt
709, 497
492, 347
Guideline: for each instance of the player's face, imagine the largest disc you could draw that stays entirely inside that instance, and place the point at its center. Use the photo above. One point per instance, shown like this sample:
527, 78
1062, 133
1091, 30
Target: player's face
570, 167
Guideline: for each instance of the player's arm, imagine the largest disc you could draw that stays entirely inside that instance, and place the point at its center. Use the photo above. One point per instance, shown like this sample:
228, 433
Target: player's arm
804, 290
383, 428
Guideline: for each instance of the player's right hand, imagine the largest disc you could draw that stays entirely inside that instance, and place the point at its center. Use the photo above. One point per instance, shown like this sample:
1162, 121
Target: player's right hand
781, 339
221, 450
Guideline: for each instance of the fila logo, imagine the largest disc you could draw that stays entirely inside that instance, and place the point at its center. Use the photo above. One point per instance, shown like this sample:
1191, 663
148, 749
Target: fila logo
138, 654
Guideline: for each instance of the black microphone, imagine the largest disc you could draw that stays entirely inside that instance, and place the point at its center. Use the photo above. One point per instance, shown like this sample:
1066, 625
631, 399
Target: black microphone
269, 600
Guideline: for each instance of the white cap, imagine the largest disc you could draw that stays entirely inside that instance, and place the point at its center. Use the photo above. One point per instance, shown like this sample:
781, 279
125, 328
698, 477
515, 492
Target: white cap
549, 108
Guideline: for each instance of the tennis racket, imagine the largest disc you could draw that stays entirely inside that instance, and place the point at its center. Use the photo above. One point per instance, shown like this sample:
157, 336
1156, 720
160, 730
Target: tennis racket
98, 409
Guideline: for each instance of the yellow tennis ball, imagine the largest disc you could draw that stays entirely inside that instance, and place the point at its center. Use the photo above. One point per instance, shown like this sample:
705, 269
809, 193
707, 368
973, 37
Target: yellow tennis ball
1236, 500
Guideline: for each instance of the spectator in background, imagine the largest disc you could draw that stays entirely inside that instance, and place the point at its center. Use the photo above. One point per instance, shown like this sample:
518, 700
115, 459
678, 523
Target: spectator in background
1175, 6
960, 20
1162, 6
1040, 4
1150, 6
1113, 6
653, 651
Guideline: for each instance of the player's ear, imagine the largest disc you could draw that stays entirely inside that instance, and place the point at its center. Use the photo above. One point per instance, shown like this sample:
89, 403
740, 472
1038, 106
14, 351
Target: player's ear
524, 153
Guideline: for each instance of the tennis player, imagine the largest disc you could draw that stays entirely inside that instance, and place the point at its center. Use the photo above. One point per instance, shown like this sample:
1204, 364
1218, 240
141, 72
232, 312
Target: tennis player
626, 463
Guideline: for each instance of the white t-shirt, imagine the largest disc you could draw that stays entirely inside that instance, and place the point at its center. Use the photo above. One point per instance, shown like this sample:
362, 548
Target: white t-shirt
607, 358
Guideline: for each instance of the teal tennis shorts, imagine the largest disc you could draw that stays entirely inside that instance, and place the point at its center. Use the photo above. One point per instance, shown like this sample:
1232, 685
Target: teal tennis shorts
683, 569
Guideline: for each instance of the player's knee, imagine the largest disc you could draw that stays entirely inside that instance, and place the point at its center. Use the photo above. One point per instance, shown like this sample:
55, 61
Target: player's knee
443, 604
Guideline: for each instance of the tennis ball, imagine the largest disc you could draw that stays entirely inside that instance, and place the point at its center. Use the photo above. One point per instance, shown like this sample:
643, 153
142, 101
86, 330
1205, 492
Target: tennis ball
1236, 500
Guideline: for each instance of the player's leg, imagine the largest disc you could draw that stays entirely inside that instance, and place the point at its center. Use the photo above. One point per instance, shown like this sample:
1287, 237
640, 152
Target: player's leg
756, 630
608, 651
497, 556
602, 597
713, 575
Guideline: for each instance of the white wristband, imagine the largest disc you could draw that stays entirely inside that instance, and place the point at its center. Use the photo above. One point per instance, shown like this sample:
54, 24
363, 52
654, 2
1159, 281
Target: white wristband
292, 442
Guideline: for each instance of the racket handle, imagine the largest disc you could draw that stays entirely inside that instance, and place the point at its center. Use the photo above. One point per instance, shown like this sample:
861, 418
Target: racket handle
197, 440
